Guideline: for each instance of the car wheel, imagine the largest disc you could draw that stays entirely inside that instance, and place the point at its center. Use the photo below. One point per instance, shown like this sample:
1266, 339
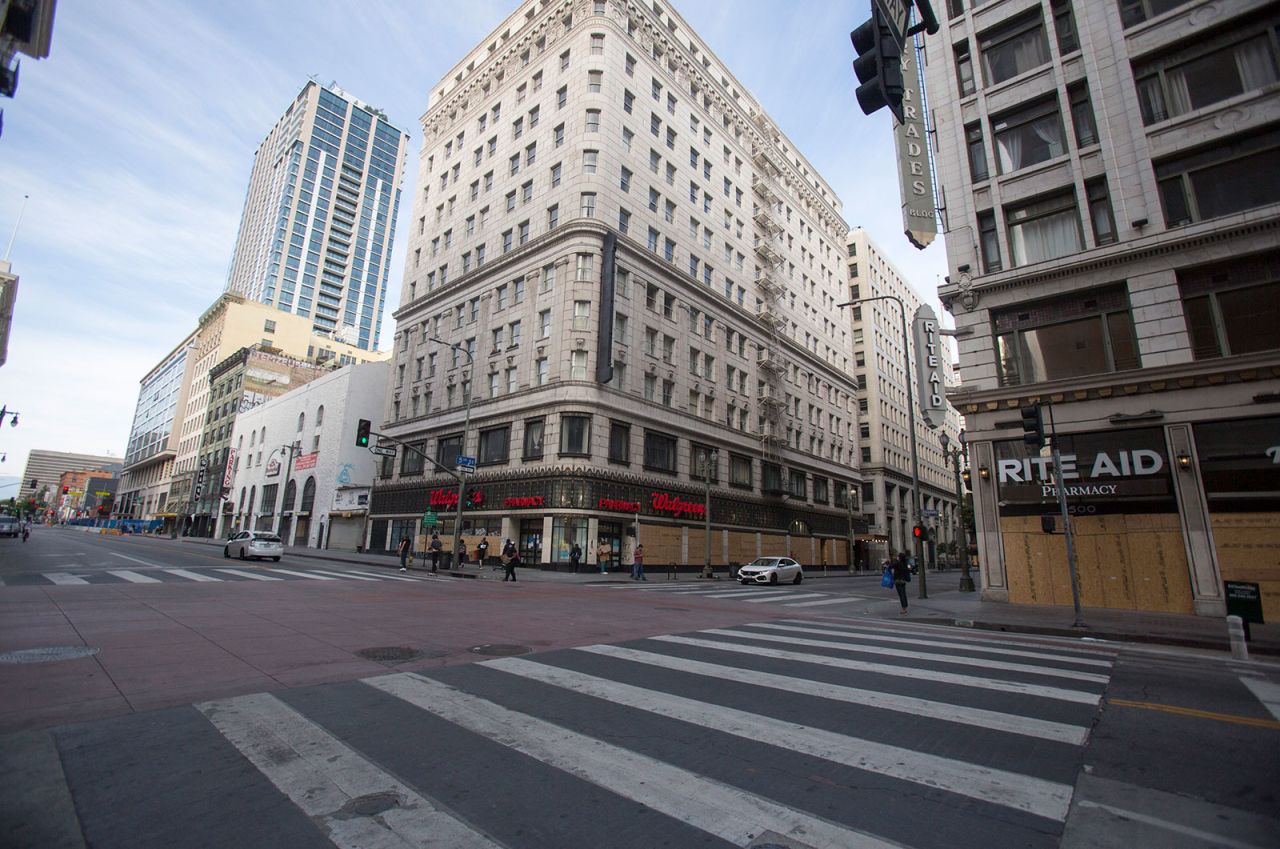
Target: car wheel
799, 578
773, 579
276, 559
243, 556
226, 552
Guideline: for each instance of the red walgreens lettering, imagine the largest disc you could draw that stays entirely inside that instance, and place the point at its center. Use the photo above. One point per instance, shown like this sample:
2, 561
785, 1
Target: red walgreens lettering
664, 503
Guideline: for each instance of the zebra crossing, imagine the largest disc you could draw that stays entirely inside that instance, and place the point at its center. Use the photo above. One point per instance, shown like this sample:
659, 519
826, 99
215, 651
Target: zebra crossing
788, 596
819, 734
166, 575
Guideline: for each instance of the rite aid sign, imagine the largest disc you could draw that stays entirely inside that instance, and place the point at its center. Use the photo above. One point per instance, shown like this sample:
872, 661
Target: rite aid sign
924, 335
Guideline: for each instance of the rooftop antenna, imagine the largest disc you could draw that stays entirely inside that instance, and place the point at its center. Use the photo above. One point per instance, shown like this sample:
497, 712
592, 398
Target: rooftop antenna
8, 250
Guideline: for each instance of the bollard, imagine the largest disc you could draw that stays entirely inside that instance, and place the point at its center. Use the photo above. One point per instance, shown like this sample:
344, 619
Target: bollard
1235, 631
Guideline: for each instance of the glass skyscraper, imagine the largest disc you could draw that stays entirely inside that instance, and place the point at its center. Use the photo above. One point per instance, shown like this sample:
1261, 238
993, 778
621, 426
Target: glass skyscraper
319, 216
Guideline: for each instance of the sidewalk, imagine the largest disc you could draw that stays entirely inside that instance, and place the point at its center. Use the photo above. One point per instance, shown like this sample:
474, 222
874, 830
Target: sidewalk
946, 605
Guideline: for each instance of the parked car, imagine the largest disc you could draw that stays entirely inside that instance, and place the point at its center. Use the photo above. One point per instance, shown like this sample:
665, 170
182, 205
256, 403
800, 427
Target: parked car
10, 526
248, 544
771, 570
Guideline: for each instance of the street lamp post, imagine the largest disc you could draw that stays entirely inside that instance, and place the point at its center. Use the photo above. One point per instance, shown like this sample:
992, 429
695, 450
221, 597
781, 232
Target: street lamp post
954, 455
462, 450
911, 423
707, 456
292, 448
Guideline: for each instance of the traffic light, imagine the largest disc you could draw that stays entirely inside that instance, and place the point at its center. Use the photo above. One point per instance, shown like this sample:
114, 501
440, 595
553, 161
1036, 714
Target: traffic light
878, 66
362, 433
65, 490
920, 532
1032, 426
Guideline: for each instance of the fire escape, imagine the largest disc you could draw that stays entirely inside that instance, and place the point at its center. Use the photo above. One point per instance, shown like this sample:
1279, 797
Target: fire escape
771, 289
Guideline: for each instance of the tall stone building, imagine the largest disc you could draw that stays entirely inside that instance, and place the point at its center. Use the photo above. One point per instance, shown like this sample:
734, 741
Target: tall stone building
639, 273
885, 391
320, 215
1110, 176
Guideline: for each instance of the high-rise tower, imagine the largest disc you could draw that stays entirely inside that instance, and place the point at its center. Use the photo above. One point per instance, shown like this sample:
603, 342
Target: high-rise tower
319, 215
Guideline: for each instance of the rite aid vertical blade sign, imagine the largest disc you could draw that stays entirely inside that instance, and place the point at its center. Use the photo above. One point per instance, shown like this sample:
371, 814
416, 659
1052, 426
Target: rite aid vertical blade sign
919, 216
924, 336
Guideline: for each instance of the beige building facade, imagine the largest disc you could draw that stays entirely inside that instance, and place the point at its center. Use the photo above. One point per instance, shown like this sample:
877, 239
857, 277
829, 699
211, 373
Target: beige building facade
1110, 177
644, 271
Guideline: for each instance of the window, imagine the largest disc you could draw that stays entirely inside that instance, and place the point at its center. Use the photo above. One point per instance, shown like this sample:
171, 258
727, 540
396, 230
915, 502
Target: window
578, 365
704, 462
631, 65
739, 470
796, 484
653, 240
1082, 114
1136, 11
770, 478
1182, 81
557, 137
507, 237
593, 120
581, 315
448, 448
531, 154
533, 430
575, 434
977, 152
1043, 229
564, 60
411, 460
533, 117
964, 69
588, 205
653, 200
624, 181
990, 241
541, 371
619, 443
556, 171
1064, 26
515, 164
562, 96
819, 490
659, 452
1013, 48
1235, 174
1232, 307
650, 387
1027, 135
268, 326
1104, 225
597, 43
1080, 334
627, 136
589, 159
553, 216
595, 80
493, 445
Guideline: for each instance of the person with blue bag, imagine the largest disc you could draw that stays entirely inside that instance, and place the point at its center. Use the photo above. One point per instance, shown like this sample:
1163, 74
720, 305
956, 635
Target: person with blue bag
901, 577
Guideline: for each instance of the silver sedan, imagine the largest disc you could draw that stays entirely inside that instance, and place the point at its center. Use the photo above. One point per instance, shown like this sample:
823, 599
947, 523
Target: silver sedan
248, 544
771, 570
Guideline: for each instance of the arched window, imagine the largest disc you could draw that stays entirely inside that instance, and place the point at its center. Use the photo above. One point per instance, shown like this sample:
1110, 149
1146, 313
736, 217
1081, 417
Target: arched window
253, 438
320, 416
263, 438
290, 495
252, 493
242, 494
302, 419
308, 495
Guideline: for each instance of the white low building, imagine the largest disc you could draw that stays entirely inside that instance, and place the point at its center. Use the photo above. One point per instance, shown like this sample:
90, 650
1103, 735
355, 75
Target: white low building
303, 444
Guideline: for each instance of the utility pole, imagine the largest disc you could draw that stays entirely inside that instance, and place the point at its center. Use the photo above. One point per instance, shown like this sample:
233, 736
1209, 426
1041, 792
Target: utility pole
707, 454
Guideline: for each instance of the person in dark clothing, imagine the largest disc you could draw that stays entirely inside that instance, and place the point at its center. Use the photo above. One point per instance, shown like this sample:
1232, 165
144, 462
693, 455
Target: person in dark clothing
901, 575
575, 556
435, 547
406, 551
482, 551
510, 564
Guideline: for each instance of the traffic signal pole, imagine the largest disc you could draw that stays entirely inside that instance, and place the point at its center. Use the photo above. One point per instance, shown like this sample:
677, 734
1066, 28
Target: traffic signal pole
1066, 522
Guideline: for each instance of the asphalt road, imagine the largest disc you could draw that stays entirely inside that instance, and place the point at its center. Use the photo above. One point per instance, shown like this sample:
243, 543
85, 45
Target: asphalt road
752, 723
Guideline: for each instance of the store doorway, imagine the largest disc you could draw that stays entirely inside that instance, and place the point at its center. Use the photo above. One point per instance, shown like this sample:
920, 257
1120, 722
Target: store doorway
529, 542
610, 533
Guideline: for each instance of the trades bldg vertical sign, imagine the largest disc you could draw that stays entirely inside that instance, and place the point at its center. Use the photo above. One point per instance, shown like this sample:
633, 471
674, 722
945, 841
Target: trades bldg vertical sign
924, 336
919, 215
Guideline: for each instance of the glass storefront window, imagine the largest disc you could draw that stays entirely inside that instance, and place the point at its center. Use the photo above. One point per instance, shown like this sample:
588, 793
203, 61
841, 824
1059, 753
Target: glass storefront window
565, 532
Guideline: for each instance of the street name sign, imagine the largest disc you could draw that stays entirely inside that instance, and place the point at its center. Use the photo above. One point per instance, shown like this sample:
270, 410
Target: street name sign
383, 450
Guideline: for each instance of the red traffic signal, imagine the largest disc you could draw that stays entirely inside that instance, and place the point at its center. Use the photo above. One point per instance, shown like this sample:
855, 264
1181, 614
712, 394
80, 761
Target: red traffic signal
920, 532
65, 490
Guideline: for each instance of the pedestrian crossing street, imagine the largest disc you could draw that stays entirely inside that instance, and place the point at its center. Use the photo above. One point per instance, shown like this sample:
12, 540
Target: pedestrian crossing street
78, 575
783, 596
831, 735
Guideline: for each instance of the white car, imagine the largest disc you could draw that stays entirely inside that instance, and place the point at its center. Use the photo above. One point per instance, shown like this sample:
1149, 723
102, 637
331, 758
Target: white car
771, 570
248, 544
10, 526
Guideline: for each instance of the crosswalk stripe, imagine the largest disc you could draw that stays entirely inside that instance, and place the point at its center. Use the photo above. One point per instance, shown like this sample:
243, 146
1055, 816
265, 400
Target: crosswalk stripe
352, 575
191, 576
1026, 726
784, 596
888, 651
843, 600
1058, 693
251, 575
1036, 796
133, 577
304, 575
388, 577
954, 646
1068, 645
63, 579
133, 559
727, 812
321, 775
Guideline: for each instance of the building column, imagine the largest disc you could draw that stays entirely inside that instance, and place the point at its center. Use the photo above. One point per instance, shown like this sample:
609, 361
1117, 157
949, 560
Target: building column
1197, 533
548, 543
995, 585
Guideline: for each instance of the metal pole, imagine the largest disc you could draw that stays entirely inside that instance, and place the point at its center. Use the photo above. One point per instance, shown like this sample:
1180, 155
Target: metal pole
706, 516
911, 423
466, 424
848, 504
288, 473
1066, 521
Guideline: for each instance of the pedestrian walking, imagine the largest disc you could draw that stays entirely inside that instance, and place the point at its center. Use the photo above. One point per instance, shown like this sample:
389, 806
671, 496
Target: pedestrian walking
406, 551
435, 547
575, 556
508, 550
901, 576
462, 552
604, 551
637, 564
482, 551
510, 564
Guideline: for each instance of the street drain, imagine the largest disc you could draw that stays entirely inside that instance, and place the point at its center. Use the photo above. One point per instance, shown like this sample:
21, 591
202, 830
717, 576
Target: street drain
390, 654
500, 649
47, 654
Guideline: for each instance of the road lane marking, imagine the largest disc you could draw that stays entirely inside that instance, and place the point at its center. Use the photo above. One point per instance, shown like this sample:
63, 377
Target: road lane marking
961, 634
322, 776
1044, 729
1036, 796
133, 577
786, 595
304, 574
64, 579
844, 600
192, 576
1198, 714
774, 594
1058, 693
1267, 692
727, 812
938, 657
352, 575
133, 559
1208, 838
251, 575
898, 640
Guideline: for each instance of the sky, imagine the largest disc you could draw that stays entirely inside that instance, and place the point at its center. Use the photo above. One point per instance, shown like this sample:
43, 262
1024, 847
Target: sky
135, 137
